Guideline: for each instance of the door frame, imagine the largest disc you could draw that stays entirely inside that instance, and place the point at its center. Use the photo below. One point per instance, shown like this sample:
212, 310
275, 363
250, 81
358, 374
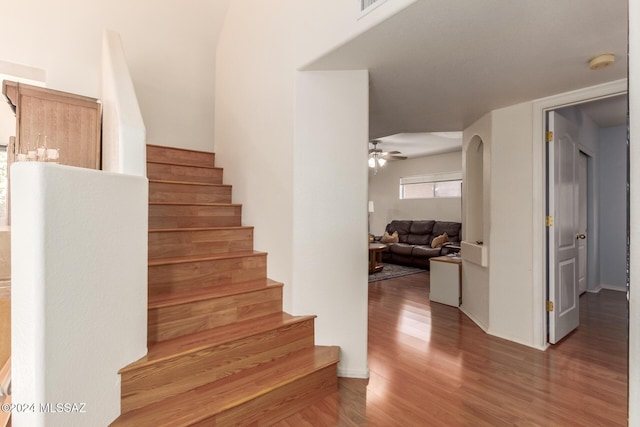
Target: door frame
592, 217
540, 107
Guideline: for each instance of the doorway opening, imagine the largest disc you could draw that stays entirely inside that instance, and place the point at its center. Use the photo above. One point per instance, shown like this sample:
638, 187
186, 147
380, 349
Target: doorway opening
586, 207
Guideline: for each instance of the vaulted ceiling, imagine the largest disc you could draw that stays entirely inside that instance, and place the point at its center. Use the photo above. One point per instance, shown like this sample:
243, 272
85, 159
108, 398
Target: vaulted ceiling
439, 65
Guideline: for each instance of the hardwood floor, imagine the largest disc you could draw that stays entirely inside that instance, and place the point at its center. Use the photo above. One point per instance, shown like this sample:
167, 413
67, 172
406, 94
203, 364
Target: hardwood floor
432, 366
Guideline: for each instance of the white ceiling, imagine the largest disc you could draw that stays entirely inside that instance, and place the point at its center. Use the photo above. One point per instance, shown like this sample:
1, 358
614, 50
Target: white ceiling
440, 65
607, 112
421, 143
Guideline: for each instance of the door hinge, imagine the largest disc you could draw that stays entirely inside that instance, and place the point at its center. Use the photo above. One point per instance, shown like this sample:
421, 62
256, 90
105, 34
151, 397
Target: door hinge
549, 305
548, 220
548, 136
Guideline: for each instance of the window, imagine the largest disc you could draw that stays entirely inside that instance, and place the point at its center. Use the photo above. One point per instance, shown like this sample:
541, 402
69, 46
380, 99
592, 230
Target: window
367, 6
431, 186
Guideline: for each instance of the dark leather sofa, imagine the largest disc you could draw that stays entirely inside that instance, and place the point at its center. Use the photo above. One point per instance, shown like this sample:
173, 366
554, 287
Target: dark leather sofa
415, 237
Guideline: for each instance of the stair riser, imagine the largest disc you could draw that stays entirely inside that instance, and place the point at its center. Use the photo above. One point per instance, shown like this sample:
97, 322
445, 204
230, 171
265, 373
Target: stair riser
164, 172
170, 216
199, 242
174, 321
161, 192
176, 375
173, 278
281, 403
175, 155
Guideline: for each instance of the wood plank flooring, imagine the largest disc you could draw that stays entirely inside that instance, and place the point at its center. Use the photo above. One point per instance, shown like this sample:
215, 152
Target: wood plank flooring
432, 366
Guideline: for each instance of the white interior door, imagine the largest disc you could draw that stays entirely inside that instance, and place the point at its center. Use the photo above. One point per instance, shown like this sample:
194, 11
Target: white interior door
563, 196
582, 223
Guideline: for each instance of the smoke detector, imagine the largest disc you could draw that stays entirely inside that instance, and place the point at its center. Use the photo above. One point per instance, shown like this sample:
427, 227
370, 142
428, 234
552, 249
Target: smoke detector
601, 61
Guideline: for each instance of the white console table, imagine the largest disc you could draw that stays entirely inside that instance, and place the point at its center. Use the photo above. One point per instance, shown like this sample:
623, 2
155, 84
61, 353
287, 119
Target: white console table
446, 280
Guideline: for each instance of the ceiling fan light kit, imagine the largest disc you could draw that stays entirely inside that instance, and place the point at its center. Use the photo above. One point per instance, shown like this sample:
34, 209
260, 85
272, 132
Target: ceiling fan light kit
377, 157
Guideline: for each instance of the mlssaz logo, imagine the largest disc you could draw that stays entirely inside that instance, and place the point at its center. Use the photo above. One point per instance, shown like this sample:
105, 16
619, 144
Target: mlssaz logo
63, 407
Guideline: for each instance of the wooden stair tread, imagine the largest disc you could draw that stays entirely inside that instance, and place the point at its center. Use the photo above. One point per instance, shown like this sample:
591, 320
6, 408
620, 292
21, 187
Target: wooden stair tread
237, 227
163, 350
203, 184
194, 204
196, 258
201, 294
156, 162
166, 147
205, 401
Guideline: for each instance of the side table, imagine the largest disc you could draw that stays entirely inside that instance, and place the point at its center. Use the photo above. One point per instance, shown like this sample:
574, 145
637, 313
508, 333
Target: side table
375, 257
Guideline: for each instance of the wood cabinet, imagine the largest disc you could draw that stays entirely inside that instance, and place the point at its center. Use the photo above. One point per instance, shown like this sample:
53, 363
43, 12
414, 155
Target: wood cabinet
71, 123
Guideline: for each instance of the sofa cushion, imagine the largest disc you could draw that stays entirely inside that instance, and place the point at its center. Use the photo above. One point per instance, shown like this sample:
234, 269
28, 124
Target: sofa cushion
418, 239
421, 227
389, 238
440, 240
402, 227
451, 228
425, 252
401, 249
420, 232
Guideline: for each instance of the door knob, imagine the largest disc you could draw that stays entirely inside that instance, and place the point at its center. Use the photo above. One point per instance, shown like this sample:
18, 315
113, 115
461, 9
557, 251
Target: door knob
581, 236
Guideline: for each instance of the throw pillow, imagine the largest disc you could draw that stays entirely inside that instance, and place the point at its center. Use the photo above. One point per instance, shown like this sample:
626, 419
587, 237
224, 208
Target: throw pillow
437, 242
390, 238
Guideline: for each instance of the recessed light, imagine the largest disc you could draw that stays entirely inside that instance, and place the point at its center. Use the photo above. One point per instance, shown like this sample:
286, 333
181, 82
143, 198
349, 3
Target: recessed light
601, 61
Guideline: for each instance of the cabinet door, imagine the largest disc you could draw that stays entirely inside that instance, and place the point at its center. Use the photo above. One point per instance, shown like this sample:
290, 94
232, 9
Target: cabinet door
71, 123
445, 282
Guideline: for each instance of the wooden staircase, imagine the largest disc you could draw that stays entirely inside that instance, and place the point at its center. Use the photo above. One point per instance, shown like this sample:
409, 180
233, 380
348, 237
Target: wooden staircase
221, 351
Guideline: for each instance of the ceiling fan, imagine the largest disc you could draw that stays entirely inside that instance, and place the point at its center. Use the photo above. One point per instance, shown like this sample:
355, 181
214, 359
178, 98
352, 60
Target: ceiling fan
378, 158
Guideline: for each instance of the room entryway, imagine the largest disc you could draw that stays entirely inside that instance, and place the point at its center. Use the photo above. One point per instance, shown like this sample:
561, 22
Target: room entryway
586, 206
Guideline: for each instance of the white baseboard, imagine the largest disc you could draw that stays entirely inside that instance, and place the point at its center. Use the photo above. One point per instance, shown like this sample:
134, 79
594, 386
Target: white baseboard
607, 287
476, 321
517, 340
353, 373
489, 331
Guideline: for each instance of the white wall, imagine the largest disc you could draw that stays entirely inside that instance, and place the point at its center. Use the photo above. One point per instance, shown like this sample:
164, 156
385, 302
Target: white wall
332, 112
124, 147
260, 49
261, 46
475, 277
79, 289
384, 191
511, 234
612, 179
170, 46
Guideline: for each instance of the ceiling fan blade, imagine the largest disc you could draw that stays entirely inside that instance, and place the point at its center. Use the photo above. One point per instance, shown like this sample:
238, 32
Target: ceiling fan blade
394, 157
392, 152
